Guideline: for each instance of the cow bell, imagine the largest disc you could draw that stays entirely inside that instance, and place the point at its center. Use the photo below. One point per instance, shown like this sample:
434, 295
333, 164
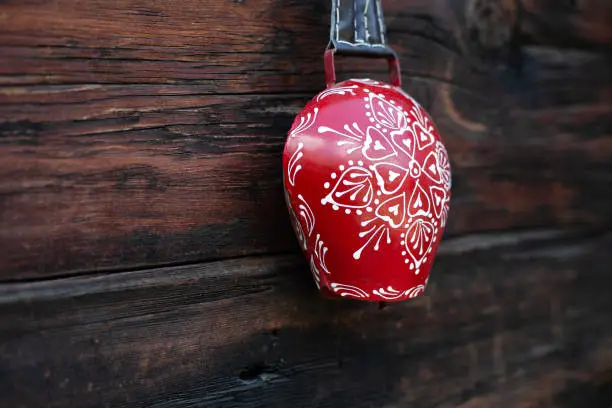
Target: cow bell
367, 183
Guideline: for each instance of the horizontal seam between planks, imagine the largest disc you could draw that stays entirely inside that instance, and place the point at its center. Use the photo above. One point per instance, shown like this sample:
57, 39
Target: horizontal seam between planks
558, 236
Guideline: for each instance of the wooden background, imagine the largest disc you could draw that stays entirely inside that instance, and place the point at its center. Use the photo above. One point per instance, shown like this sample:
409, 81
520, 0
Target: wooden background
146, 256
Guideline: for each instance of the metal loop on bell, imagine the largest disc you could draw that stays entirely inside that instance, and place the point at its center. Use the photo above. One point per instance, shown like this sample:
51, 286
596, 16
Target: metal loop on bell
395, 77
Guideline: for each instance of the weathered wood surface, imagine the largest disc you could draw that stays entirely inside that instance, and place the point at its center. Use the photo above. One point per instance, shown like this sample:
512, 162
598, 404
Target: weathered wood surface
136, 134
509, 320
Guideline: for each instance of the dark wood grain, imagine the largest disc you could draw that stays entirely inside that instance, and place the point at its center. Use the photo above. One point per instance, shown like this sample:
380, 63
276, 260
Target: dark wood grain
573, 23
508, 320
136, 134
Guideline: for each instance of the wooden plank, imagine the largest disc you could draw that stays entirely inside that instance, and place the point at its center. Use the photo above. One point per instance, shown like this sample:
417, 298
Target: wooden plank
508, 320
264, 46
150, 143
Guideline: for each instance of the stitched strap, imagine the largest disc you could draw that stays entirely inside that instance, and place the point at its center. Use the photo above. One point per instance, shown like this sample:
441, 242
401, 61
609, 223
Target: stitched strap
358, 27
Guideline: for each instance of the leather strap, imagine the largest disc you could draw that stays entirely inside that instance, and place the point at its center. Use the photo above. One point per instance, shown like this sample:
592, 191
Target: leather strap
358, 27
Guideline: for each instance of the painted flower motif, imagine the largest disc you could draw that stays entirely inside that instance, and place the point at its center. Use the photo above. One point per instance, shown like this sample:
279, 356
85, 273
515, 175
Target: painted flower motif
415, 291
306, 121
349, 291
396, 179
419, 203
376, 146
430, 167
418, 239
393, 120
342, 90
439, 199
422, 128
405, 141
353, 189
388, 293
443, 165
390, 177
377, 190
444, 213
386, 113
393, 210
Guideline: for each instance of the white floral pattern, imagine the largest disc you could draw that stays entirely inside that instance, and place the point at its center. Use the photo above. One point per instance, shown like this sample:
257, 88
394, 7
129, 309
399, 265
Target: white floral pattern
294, 167
341, 90
349, 291
305, 123
370, 183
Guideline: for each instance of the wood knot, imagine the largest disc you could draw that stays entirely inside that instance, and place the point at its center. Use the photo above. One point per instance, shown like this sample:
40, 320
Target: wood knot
491, 22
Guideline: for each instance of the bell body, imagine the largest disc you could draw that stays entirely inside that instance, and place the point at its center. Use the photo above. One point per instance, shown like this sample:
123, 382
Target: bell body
367, 183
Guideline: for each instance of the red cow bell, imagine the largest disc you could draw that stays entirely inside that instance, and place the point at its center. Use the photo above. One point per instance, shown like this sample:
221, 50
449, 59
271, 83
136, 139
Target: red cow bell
367, 179
367, 182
